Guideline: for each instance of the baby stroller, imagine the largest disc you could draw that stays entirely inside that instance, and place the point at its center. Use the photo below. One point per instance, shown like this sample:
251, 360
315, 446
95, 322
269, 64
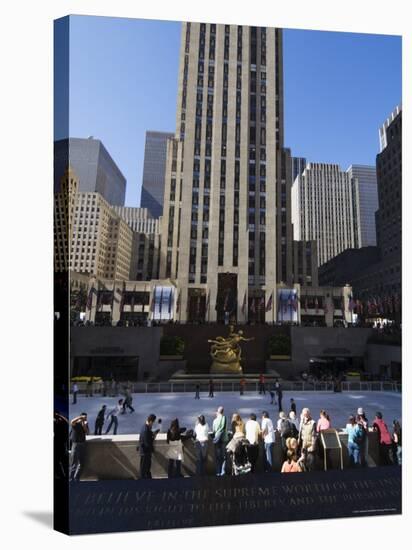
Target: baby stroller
239, 458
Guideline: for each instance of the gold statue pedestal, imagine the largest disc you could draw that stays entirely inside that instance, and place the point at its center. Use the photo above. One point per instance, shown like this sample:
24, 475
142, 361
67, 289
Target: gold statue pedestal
226, 353
226, 366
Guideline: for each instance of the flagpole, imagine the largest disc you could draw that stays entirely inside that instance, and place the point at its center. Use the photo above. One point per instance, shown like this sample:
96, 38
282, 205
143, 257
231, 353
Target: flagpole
273, 308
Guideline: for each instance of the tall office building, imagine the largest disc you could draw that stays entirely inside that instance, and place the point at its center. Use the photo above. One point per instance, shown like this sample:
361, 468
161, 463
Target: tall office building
154, 167
383, 130
389, 214
95, 169
298, 165
322, 209
145, 260
365, 199
89, 237
224, 189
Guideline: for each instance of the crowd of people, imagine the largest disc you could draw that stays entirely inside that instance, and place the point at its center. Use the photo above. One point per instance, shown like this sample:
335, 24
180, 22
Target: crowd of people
238, 443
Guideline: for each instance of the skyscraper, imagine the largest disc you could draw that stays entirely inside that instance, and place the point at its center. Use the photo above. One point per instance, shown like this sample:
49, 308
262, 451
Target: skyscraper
389, 214
153, 184
224, 186
95, 169
365, 197
298, 165
322, 209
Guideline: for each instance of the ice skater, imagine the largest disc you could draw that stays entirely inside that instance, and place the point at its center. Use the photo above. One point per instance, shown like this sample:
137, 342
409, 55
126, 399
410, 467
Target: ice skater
114, 421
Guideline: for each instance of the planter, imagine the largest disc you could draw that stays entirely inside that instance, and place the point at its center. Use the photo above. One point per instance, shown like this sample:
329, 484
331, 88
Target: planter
280, 357
171, 357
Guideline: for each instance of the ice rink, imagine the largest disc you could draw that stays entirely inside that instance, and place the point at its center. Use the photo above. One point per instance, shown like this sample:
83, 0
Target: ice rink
183, 406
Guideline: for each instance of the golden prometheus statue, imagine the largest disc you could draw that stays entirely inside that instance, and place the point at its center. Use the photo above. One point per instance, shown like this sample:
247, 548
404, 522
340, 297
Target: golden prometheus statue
226, 352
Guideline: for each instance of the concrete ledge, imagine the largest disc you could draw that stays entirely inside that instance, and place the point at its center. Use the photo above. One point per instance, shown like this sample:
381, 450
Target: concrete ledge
116, 457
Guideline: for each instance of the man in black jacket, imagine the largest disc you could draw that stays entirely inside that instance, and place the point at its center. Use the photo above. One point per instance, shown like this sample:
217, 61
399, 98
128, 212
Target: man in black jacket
145, 447
78, 434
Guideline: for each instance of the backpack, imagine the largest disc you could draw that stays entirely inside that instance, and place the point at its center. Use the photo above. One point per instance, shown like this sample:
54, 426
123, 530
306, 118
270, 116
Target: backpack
286, 428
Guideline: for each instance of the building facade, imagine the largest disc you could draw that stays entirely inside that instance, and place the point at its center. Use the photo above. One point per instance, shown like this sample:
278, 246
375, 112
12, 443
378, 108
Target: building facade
154, 169
305, 263
146, 244
322, 209
95, 169
347, 266
365, 203
222, 173
89, 237
298, 166
383, 135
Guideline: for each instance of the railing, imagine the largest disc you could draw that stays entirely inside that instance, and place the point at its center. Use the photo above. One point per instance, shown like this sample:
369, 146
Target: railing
189, 386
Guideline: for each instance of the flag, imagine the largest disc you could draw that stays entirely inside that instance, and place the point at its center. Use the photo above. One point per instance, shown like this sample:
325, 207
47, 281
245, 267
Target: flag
99, 306
285, 303
270, 303
208, 301
169, 305
90, 298
244, 304
262, 303
198, 306
226, 301
161, 300
316, 304
152, 305
133, 298
122, 298
351, 303
253, 306
295, 302
178, 302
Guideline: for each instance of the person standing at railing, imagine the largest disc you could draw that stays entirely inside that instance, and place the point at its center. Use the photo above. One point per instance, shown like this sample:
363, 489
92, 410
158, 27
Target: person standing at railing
397, 441
219, 441
211, 388
385, 439
145, 447
354, 432
201, 433
174, 452
324, 422
268, 434
252, 435
364, 423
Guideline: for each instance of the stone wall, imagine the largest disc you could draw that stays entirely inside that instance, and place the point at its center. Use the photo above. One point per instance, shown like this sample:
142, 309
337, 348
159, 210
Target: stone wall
116, 457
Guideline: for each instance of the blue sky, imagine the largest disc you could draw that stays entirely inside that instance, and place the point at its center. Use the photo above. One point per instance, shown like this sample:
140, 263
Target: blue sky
339, 87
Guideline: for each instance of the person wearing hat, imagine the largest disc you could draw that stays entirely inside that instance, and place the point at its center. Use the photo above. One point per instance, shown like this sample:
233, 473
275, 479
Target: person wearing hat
100, 421
220, 440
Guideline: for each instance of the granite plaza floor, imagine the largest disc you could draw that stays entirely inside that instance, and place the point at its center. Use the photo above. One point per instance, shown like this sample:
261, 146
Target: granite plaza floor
183, 406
